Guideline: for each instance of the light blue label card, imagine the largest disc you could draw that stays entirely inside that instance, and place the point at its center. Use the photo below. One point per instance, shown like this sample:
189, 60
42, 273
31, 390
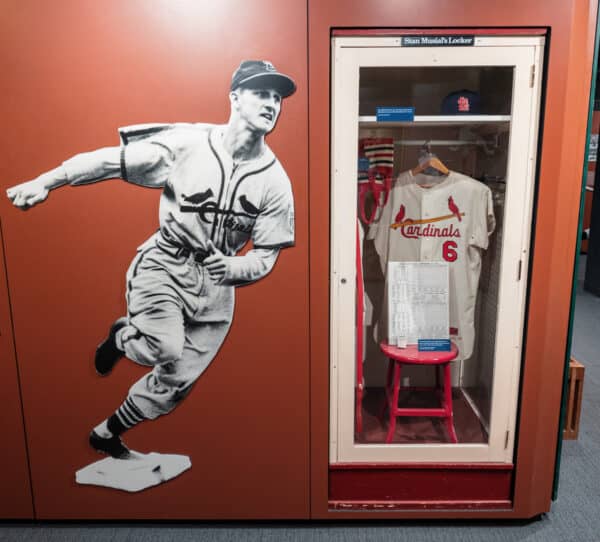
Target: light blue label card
391, 114
363, 163
434, 345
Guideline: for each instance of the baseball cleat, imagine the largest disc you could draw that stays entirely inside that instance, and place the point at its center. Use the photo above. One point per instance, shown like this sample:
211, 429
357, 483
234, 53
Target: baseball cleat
107, 353
112, 446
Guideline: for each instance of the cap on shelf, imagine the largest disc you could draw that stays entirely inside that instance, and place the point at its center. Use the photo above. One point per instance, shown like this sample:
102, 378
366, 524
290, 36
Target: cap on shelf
462, 102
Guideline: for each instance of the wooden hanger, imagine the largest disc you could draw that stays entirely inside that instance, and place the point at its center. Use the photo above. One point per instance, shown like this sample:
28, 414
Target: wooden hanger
433, 162
429, 160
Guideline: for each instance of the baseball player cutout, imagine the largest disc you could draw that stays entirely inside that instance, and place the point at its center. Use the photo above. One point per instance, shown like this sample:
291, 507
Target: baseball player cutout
222, 187
447, 218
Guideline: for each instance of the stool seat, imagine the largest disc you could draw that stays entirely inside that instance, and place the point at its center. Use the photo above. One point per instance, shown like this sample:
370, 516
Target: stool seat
411, 356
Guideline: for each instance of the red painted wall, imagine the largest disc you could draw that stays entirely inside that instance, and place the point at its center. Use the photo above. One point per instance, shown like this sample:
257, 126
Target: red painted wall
73, 72
572, 28
15, 497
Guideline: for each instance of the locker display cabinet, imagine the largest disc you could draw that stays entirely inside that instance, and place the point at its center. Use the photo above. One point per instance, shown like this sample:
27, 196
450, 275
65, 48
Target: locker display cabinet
493, 143
482, 107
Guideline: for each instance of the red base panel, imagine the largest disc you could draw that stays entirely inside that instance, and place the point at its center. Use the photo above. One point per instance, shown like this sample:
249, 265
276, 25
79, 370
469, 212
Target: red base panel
419, 505
420, 486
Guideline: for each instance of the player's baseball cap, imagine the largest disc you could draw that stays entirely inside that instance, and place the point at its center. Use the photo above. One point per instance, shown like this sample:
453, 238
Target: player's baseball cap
461, 102
262, 74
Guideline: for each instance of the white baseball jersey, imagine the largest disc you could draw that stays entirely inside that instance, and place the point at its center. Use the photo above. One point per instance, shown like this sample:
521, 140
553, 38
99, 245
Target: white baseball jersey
207, 196
448, 220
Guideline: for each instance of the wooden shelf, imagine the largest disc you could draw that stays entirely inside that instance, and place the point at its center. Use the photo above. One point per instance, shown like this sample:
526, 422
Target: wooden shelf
435, 120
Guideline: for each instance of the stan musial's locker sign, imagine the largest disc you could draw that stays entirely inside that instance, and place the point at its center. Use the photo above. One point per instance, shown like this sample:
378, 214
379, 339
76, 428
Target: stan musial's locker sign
438, 41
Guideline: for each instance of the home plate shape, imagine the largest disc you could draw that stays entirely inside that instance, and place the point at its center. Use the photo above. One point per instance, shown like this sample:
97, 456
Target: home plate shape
137, 472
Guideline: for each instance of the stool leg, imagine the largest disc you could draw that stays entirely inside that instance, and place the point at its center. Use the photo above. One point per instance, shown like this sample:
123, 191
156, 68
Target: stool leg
387, 390
359, 399
448, 403
393, 406
439, 384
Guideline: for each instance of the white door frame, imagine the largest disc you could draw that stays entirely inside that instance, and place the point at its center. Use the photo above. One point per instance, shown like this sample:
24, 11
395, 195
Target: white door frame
349, 54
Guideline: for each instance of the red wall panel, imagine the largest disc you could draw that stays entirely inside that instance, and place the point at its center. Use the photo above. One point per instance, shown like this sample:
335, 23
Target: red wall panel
15, 496
73, 72
572, 27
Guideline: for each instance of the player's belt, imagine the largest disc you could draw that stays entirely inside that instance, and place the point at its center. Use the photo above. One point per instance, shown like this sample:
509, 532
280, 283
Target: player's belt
198, 255
175, 249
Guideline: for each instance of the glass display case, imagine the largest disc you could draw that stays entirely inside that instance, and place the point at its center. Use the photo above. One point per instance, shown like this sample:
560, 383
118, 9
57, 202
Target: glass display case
433, 166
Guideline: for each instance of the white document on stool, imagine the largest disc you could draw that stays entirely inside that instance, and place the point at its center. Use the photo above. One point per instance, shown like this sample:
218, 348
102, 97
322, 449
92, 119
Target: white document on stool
418, 302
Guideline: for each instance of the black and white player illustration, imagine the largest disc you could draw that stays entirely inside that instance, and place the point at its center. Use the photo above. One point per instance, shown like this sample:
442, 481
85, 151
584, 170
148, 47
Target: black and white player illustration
222, 187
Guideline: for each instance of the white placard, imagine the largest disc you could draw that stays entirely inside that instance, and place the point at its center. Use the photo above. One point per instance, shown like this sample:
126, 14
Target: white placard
418, 302
593, 148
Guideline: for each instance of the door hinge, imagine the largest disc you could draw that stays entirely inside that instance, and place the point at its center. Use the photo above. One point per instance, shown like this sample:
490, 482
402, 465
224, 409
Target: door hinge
532, 76
506, 439
519, 268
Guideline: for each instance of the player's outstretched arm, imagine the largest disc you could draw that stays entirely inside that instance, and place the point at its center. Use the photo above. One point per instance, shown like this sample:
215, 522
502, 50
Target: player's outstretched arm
84, 168
30, 193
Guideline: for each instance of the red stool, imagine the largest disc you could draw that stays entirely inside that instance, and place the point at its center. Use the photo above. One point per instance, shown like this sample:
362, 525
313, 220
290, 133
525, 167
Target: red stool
411, 356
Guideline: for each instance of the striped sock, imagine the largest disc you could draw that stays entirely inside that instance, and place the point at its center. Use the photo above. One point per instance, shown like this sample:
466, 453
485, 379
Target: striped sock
125, 417
380, 152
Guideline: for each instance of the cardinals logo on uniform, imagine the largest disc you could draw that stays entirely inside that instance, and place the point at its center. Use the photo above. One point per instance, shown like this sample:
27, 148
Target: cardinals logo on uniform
423, 227
208, 209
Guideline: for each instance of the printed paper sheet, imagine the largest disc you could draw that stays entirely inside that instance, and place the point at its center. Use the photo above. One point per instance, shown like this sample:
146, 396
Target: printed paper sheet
418, 302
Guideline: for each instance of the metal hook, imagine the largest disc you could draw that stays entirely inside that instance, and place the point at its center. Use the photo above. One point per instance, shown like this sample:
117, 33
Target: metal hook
425, 151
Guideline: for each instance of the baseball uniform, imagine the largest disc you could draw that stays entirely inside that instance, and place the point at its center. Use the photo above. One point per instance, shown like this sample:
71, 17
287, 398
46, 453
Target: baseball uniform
446, 220
180, 314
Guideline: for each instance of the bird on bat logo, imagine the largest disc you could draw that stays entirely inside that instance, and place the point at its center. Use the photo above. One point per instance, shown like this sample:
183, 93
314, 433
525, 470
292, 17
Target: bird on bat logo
454, 208
400, 214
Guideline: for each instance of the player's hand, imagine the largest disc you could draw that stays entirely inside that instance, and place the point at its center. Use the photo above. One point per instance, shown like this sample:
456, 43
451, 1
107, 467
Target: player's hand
26, 195
217, 264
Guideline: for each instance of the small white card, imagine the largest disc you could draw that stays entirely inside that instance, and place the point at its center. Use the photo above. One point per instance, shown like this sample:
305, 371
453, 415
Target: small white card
418, 302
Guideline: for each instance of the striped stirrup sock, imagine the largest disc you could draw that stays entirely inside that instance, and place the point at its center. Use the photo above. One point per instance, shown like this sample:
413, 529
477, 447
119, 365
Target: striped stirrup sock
380, 152
125, 417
